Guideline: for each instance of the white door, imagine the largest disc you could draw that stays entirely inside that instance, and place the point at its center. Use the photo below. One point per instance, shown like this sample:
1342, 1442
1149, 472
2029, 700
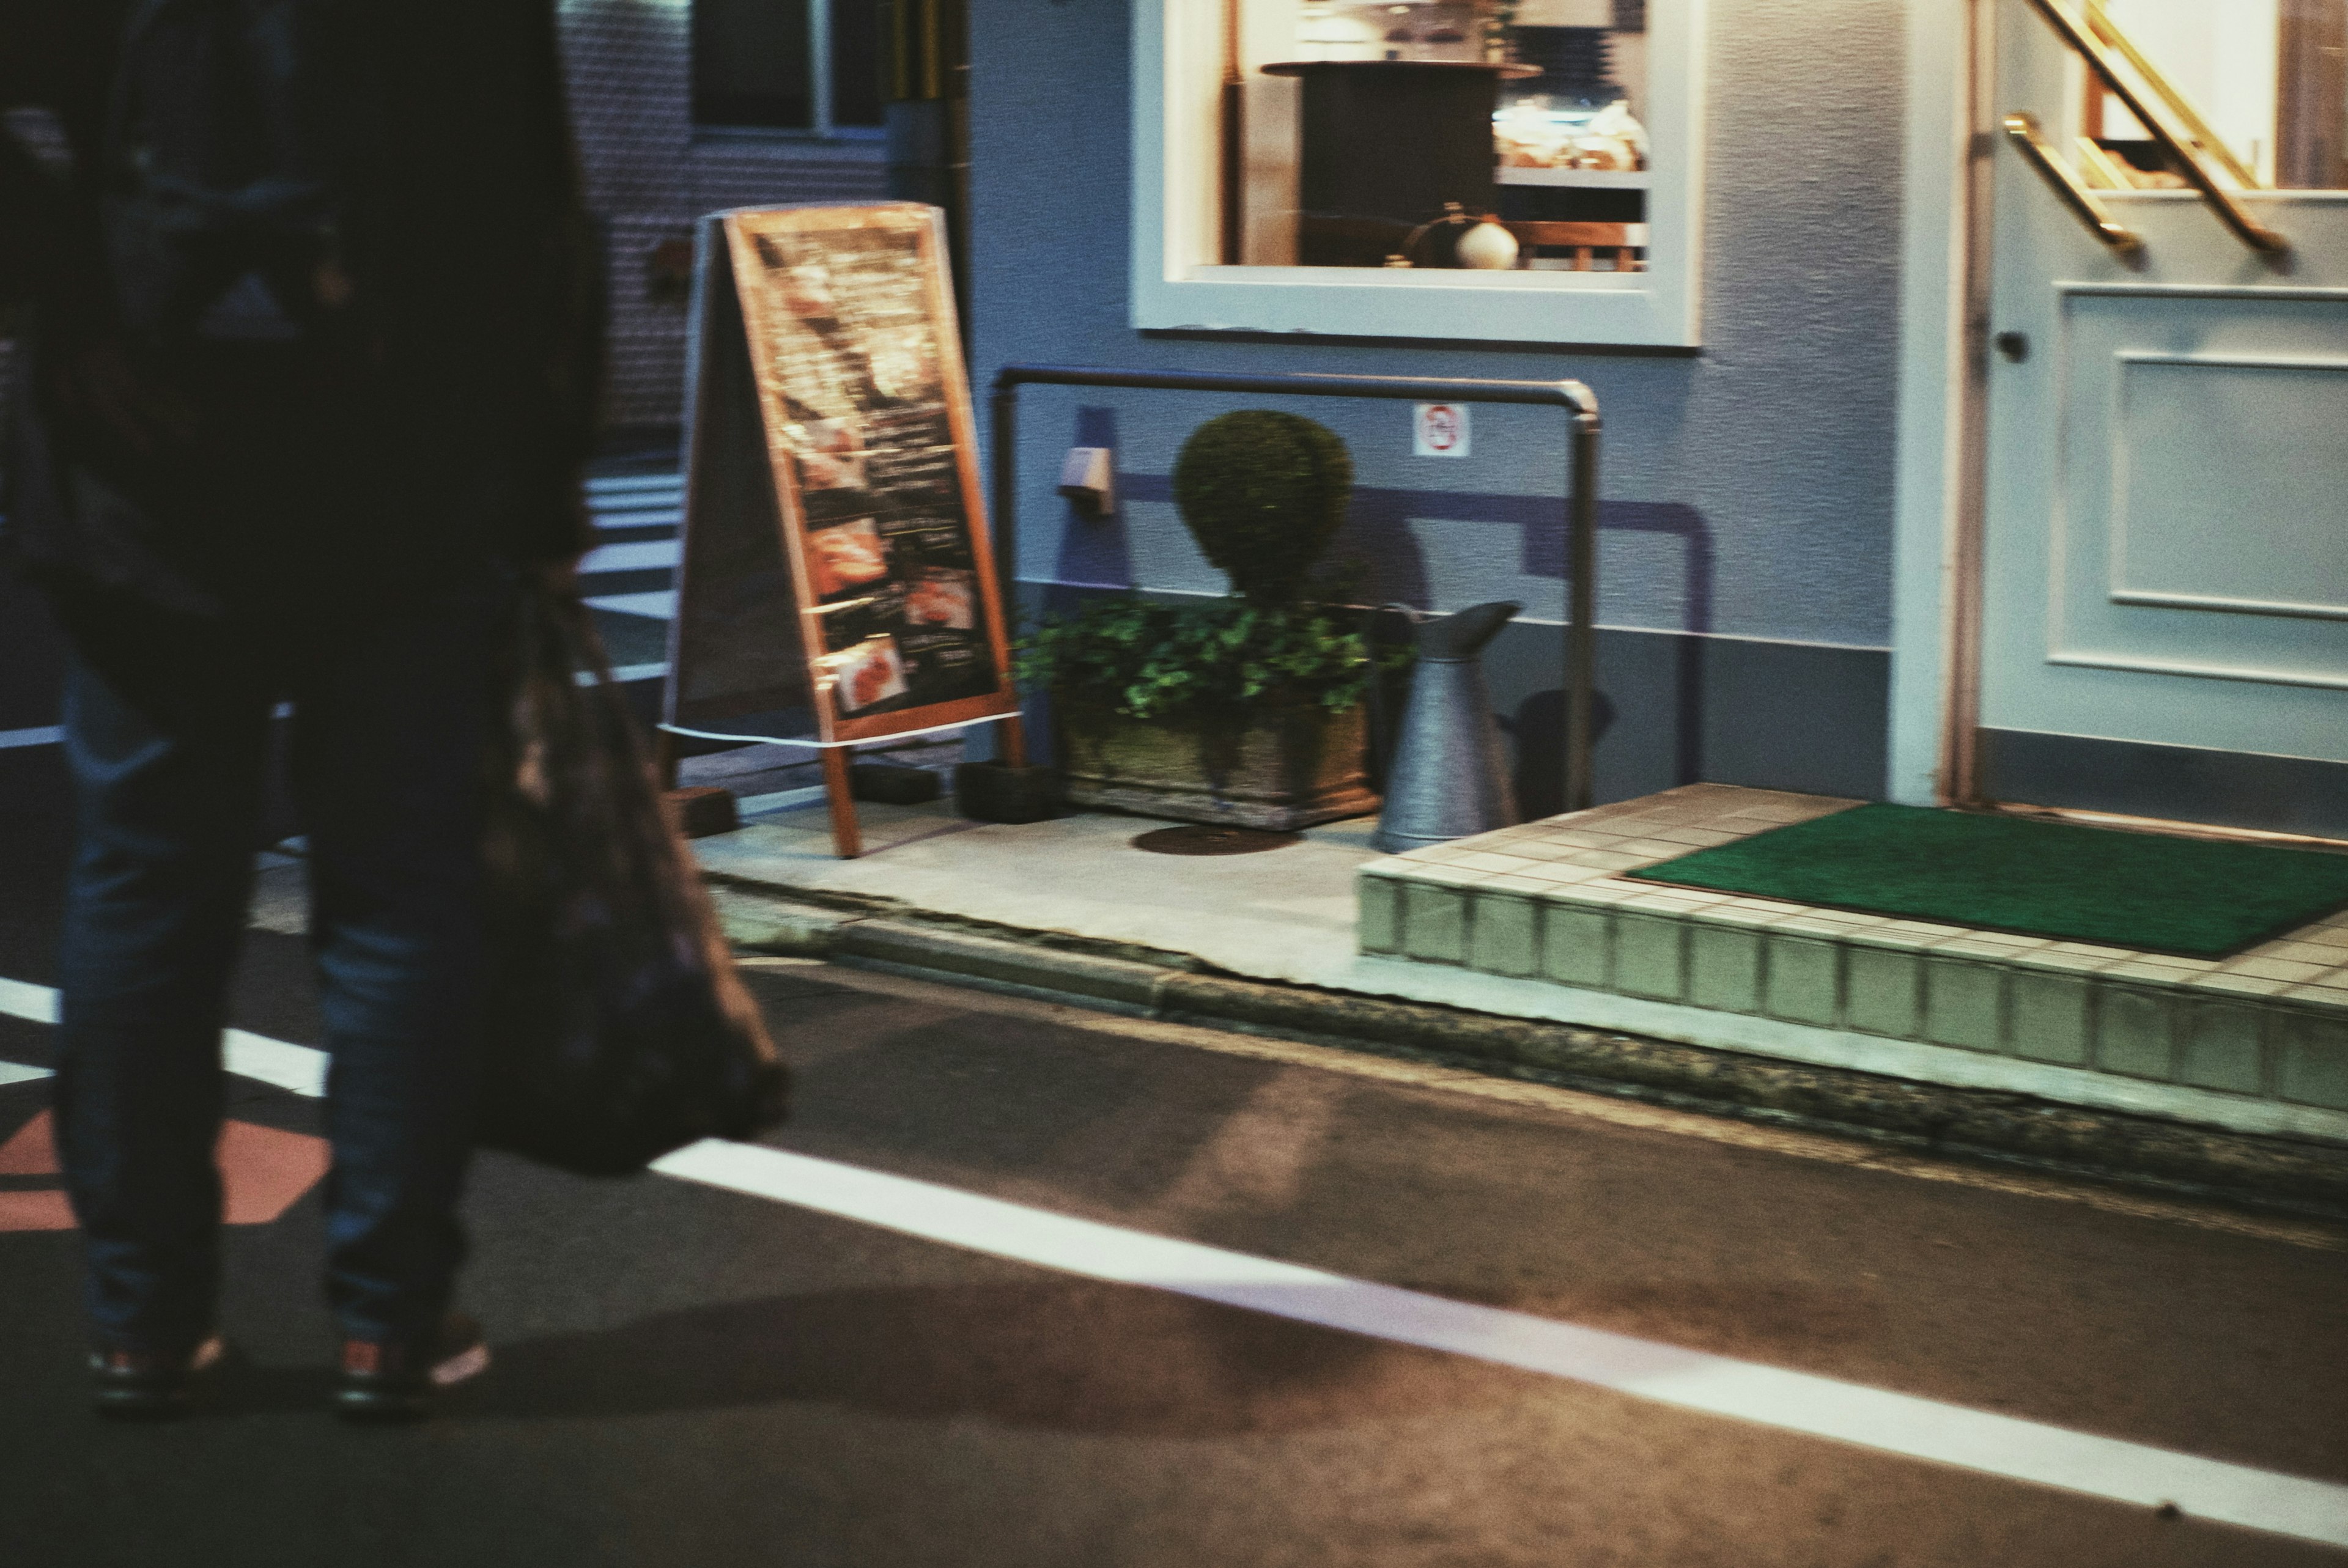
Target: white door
2164, 550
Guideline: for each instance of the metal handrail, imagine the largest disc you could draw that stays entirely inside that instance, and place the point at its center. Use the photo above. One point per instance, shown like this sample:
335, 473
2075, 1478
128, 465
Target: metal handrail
2098, 170
2089, 47
2021, 129
1582, 516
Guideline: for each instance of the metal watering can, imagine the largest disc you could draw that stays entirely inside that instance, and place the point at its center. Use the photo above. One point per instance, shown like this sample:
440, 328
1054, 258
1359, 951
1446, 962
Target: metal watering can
1449, 774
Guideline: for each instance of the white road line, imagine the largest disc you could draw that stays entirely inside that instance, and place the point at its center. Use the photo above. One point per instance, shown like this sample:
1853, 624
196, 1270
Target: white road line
36, 1004
300, 1068
1802, 1402
1690, 1380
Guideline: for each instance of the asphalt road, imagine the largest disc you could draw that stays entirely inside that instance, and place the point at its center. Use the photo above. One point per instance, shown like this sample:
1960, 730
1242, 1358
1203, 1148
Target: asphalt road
687, 1376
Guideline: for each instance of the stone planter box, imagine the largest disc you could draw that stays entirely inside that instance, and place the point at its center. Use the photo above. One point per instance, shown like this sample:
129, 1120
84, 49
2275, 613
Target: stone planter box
1276, 768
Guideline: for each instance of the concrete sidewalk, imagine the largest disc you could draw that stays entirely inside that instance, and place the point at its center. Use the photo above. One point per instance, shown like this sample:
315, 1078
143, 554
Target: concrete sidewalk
1267, 941
1285, 915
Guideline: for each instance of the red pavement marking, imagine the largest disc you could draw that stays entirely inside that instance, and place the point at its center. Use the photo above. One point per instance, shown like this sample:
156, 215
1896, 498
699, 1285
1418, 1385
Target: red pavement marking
35, 1211
33, 1152
263, 1170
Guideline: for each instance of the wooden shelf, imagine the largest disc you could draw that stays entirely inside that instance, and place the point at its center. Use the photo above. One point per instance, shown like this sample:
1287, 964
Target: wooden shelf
1586, 178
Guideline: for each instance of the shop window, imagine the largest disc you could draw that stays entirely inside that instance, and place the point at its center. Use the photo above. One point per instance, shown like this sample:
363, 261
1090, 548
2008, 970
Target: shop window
809, 66
1504, 169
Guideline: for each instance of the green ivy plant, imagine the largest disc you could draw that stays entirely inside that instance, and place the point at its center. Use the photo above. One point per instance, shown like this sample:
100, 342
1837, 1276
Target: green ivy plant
1152, 661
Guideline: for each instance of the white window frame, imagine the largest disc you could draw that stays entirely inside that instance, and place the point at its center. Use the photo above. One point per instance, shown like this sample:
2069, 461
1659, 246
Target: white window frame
1177, 74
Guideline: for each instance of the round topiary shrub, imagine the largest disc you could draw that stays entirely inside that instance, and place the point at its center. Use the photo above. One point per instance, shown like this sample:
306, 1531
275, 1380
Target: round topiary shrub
1263, 493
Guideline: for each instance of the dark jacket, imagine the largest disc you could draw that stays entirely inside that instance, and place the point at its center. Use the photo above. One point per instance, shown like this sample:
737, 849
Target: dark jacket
437, 405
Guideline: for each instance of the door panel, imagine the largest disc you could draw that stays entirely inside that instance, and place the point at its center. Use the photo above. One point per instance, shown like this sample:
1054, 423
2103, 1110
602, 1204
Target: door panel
2183, 532
2205, 479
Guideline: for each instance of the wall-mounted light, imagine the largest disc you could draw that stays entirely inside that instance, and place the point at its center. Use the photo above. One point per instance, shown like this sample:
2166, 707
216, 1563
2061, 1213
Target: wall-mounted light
1088, 479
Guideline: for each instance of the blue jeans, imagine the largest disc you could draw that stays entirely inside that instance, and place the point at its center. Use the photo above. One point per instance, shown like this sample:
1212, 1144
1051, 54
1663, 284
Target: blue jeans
167, 732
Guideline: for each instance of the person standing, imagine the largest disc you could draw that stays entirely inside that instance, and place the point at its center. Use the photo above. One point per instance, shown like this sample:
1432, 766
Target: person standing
313, 369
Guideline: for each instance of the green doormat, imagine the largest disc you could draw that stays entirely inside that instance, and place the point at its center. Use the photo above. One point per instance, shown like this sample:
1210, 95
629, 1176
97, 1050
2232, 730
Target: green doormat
2197, 896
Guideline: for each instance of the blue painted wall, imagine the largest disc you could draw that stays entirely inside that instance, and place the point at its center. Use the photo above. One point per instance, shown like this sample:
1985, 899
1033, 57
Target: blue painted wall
1748, 488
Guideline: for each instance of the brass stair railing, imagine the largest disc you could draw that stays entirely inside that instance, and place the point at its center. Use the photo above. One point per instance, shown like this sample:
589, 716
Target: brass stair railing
2207, 142
2198, 154
2021, 129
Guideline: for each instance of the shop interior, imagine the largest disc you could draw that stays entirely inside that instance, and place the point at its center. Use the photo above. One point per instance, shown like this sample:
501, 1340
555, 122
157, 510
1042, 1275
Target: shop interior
1513, 134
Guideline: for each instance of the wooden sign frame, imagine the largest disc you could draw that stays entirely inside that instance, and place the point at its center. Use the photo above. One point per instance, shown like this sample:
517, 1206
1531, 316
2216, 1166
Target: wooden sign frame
839, 319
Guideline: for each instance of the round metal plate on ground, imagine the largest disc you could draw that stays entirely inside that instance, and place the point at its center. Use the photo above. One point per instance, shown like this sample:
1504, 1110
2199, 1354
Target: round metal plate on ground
1205, 838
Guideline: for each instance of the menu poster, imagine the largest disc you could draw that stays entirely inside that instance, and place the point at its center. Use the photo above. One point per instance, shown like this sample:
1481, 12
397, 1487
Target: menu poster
849, 319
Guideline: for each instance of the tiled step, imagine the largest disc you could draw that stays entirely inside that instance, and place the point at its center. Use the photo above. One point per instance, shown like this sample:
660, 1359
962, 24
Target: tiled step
656, 604
638, 555
1545, 902
617, 487
666, 514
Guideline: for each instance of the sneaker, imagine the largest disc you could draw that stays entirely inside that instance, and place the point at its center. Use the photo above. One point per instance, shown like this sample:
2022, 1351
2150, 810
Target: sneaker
148, 1385
395, 1381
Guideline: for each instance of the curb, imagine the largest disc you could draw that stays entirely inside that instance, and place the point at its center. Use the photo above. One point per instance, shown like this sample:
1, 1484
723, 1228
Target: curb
1981, 1124
913, 947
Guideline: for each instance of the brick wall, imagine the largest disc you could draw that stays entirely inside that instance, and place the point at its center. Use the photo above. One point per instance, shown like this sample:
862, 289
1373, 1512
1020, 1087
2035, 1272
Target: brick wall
649, 176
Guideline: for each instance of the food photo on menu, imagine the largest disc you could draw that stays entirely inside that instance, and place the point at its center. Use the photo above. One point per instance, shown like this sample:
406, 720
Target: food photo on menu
902, 362
941, 596
868, 674
943, 666
831, 455
846, 556
805, 289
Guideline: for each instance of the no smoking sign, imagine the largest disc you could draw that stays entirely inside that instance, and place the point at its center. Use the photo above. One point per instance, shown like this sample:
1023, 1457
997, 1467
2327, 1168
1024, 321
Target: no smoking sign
1440, 430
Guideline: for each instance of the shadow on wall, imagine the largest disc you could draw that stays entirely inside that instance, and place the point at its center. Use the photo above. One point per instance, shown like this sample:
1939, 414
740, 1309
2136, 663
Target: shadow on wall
1674, 706
1378, 535
1095, 552
1537, 733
